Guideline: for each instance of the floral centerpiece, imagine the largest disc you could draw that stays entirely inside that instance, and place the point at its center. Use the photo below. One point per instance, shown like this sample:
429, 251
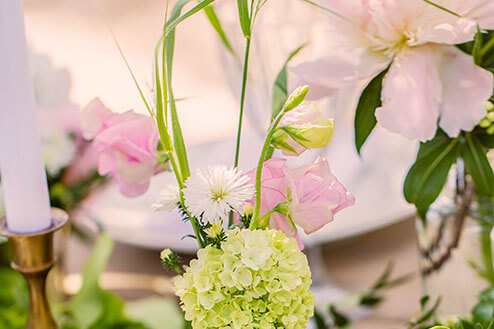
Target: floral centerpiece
250, 271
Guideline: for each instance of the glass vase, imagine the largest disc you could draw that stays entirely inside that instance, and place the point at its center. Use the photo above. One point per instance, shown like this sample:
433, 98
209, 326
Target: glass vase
455, 245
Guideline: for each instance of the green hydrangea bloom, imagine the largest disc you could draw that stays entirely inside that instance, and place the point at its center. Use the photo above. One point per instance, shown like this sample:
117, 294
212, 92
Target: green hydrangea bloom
258, 279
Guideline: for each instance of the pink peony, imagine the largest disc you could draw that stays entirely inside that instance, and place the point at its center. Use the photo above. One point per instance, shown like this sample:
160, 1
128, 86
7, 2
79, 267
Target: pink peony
316, 195
429, 80
126, 144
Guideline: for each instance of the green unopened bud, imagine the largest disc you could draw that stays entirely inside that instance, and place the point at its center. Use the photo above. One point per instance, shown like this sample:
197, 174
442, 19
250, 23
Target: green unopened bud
489, 106
303, 128
314, 135
248, 210
296, 98
490, 130
215, 230
165, 254
485, 123
490, 116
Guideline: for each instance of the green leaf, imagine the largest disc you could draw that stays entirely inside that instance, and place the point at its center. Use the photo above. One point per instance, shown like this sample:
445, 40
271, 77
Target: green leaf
244, 16
86, 305
478, 166
155, 311
477, 47
280, 87
365, 119
14, 299
430, 313
483, 314
320, 322
370, 300
339, 319
458, 324
178, 139
427, 176
486, 140
173, 23
216, 24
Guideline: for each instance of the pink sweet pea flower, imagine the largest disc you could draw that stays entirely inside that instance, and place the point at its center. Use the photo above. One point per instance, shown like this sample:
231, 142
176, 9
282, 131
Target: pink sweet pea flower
273, 192
316, 195
126, 145
429, 80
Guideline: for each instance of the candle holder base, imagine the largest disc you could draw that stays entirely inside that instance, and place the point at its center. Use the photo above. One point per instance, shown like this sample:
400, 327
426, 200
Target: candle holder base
32, 256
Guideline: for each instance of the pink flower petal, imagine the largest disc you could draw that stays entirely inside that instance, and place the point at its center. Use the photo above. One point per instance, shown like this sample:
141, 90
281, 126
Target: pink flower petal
412, 93
93, 117
466, 87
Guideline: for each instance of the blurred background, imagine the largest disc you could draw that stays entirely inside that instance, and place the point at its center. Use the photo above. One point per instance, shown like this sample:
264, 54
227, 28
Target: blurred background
347, 255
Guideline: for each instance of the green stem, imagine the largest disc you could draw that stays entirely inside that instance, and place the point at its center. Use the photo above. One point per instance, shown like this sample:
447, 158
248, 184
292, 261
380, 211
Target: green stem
255, 219
242, 99
487, 47
264, 220
195, 224
442, 8
486, 248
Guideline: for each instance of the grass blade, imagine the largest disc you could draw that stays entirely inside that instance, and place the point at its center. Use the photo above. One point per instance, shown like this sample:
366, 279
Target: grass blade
244, 16
215, 22
172, 24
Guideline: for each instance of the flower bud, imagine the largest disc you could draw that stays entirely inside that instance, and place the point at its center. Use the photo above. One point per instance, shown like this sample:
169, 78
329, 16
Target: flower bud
296, 98
248, 210
489, 106
215, 230
165, 254
305, 127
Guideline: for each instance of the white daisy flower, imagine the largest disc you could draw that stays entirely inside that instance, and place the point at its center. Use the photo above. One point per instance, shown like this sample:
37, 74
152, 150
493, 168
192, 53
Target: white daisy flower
217, 191
169, 199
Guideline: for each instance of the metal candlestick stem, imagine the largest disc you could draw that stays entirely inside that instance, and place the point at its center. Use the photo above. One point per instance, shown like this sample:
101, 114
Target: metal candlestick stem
32, 256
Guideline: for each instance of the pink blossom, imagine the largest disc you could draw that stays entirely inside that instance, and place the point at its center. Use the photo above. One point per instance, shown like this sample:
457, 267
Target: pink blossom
316, 195
126, 144
429, 80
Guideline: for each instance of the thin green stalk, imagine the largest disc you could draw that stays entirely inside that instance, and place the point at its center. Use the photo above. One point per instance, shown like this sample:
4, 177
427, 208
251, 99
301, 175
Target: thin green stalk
264, 220
195, 224
242, 99
442, 8
257, 206
486, 249
488, 46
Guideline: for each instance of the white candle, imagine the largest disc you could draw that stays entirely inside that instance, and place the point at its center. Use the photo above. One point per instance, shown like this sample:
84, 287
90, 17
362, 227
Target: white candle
21, 164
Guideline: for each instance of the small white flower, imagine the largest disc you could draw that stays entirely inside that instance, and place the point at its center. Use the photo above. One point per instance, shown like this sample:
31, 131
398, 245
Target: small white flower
58, 149
214, 193
169, 199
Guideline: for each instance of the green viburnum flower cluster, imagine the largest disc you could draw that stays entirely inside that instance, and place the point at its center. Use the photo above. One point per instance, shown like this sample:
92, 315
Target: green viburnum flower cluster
257, 279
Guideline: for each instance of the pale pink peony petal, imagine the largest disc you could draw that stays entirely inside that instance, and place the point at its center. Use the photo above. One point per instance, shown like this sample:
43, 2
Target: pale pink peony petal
338, 69
412, 93
466, 88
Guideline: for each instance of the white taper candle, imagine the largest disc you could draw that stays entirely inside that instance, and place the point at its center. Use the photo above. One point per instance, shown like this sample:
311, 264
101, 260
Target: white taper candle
21, 164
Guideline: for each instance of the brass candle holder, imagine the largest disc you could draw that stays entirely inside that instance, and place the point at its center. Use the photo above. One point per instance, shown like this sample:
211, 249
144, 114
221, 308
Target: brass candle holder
32, 256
